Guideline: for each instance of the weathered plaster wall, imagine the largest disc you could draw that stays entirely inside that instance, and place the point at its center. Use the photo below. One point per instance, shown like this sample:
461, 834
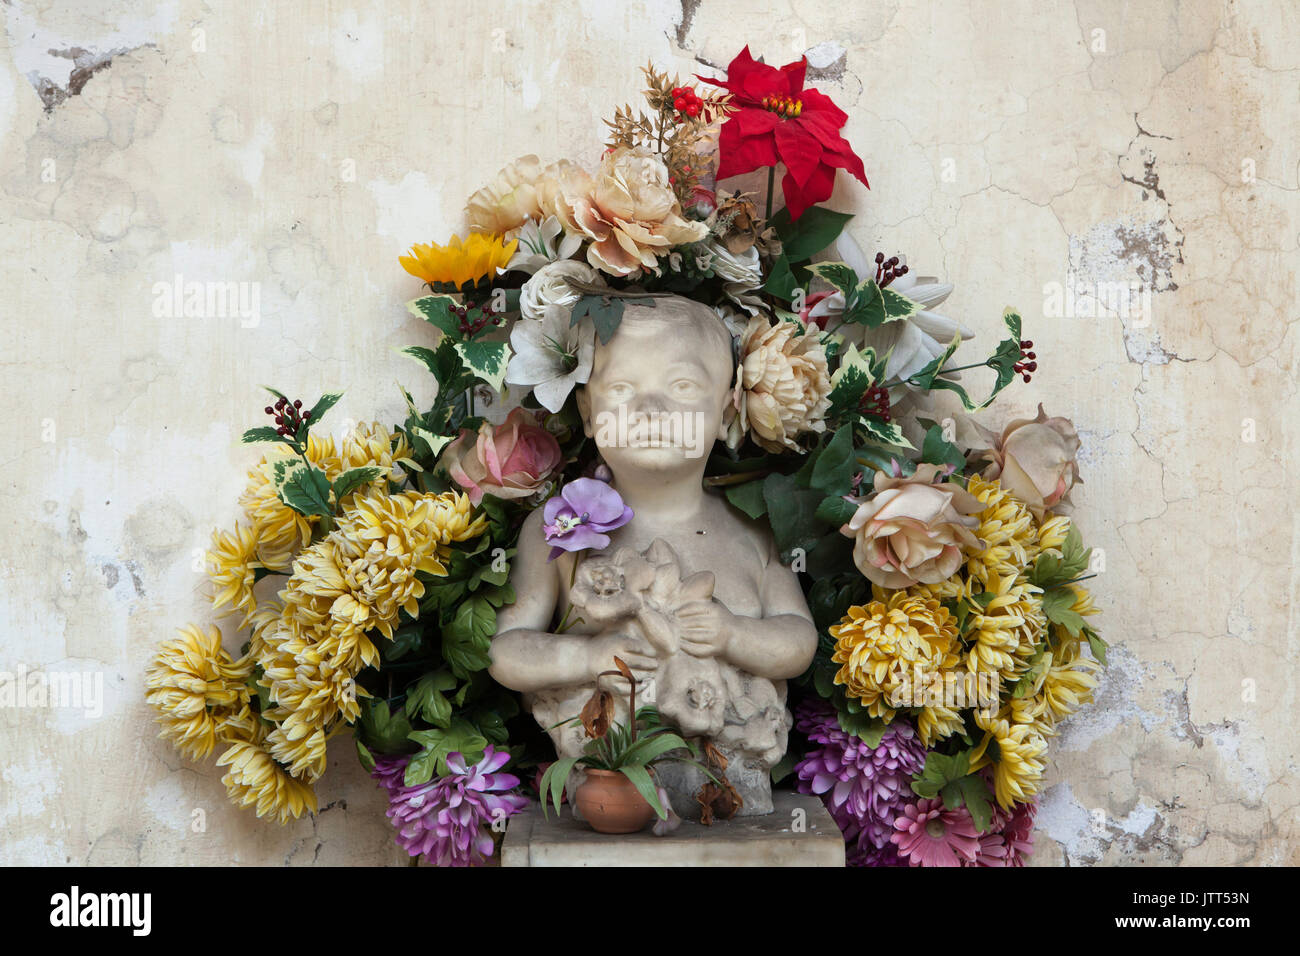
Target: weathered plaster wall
302, 145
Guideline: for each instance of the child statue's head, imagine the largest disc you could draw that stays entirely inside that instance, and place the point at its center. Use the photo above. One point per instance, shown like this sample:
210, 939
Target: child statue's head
659, 391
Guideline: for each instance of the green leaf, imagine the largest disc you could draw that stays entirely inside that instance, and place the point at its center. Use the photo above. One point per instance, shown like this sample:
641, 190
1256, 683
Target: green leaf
811, 233
304, 488
354, 478
839, 274
780, 280
645, 785
466, 639
384, 730
792, 513
427, 701
836, 464
461, 737
436, 310
882, 431
364, 755
862, 725
1096, 644
836, 511
551, 789
323, 405
972, 793
1050, 570
1057, 605
264, 433
487, 360
939, 771
937, 450
605, 312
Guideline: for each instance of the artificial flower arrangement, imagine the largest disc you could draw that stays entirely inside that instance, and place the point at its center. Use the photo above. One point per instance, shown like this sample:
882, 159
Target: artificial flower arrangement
367, 574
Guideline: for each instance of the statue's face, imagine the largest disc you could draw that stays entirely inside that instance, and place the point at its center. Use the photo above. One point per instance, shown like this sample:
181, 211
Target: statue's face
658, 390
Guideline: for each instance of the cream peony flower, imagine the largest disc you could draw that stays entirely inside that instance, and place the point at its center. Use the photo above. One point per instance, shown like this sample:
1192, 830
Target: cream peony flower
509, 200
1034, 459
629, 212
782, 385
912, 531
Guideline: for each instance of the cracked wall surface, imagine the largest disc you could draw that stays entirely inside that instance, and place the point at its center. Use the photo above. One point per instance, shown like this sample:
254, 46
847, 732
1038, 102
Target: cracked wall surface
1021, 149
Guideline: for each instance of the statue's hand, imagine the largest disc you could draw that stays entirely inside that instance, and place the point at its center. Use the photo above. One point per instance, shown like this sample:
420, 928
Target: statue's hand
706, 628
632, 649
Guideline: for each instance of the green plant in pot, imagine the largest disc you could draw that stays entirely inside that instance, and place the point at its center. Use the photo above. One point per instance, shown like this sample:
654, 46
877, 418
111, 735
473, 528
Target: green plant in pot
619, 794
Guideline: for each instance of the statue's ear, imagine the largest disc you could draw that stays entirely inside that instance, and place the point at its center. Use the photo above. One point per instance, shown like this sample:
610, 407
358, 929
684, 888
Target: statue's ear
584, 410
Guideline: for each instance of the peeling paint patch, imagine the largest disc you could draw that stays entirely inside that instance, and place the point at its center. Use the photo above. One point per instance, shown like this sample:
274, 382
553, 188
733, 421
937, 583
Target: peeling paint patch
826, 61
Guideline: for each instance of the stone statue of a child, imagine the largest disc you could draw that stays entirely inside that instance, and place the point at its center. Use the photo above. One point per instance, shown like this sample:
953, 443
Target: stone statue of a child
690, 593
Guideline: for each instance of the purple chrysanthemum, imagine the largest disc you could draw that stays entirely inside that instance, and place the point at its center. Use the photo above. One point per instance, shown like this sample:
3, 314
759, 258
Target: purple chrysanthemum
864, 787
446, 819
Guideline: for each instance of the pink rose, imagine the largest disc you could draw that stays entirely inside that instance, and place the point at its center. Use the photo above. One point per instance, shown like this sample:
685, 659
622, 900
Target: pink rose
1034, 459
510, 460
912, 531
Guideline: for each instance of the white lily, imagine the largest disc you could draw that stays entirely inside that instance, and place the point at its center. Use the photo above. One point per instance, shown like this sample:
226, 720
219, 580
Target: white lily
551, 356
542, 243
911, 343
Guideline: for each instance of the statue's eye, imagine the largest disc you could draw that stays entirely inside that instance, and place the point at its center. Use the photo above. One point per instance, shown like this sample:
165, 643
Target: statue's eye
685, 388
620, 391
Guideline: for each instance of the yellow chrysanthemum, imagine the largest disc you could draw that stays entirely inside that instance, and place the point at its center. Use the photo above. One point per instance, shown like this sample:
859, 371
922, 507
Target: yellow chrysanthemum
1018, 767
452, 514
480, 256
232, 563
281, 531
1008, 530
1063, 683
256, 779
1005, 634
200, 694
299, 745
1053, 531
370, 443
882, 647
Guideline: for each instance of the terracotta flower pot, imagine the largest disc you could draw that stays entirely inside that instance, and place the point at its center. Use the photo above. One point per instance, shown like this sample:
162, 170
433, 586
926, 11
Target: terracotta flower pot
612, 804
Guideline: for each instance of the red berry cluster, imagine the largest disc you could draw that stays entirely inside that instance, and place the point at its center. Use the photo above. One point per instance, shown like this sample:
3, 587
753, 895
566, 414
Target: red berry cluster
887, 270
875, 401
288, 417
1025, 367
471, 327
686, 102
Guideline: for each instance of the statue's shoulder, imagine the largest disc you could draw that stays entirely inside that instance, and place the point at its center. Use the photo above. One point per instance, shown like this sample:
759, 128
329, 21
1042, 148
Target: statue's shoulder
736, 524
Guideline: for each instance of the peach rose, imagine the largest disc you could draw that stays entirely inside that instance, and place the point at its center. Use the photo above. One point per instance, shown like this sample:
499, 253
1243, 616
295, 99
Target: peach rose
782, 385
629, 212
1034, 459
912, 531
510, 460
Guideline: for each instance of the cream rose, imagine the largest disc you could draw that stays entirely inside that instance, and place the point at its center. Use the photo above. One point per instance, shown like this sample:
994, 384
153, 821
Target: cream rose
782, 385
628, 210
1034, 459
509, 200
550, 287
912, 531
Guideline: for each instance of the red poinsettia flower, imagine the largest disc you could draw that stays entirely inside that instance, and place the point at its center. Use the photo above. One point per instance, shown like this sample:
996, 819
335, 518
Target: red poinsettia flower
777, 120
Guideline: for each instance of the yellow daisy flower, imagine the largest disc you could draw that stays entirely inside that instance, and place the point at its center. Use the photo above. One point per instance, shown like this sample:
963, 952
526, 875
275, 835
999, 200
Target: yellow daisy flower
459, 263
256, 779
200, 694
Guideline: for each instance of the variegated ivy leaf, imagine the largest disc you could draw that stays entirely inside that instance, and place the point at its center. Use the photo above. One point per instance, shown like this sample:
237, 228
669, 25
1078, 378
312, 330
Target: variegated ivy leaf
487, 360
1002, 361
354, 478
884, 431
436, 310
302, 487
436, 443
323, 405
264, 433
865, 302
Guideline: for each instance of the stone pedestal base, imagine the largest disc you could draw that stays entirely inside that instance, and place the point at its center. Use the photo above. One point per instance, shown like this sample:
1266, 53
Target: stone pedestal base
799, 832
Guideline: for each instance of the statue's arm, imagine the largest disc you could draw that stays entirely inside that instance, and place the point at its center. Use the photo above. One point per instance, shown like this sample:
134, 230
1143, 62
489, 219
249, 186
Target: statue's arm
781, 644
525, 655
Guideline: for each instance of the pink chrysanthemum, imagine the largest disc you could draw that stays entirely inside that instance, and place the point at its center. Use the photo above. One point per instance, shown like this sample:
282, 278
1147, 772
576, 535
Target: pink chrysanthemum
446, 820
864, 787
928, 835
